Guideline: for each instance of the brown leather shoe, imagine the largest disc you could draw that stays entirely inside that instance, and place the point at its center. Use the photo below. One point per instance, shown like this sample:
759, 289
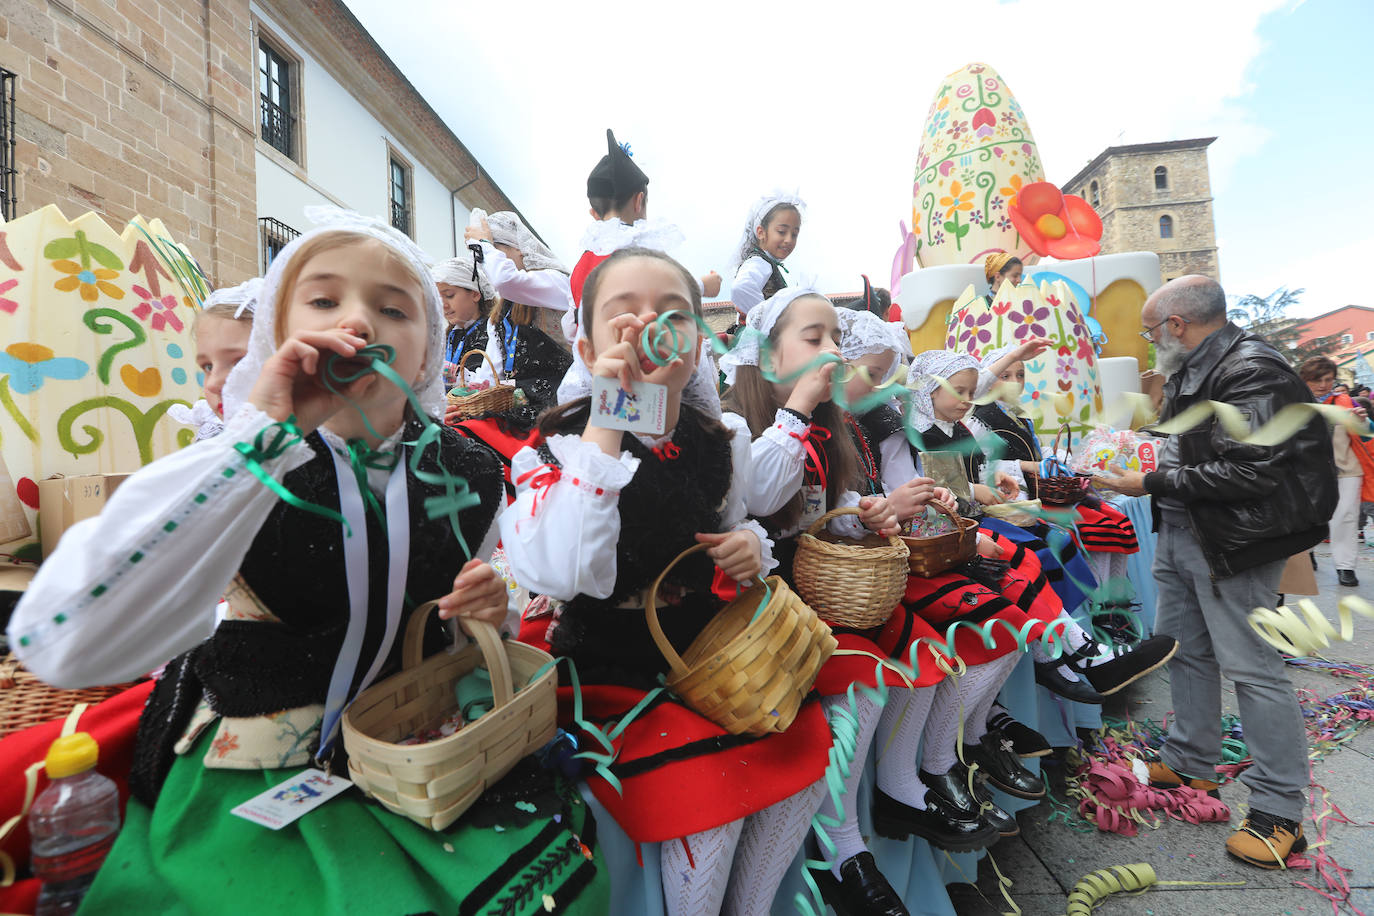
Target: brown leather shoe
1163, 776
1266, 841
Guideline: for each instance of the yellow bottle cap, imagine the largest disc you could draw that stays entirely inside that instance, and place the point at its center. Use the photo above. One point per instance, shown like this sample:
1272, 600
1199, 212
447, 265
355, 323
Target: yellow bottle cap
71, 754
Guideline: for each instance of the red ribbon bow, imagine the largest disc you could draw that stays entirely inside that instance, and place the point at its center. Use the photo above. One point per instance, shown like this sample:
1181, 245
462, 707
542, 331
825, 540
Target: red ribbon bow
667, 451
814, 442
540, 479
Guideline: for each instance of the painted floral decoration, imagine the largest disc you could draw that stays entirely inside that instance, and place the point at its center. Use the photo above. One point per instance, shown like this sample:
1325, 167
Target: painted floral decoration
156, 310
28, 365
92, 281
1055, 224
1028, 320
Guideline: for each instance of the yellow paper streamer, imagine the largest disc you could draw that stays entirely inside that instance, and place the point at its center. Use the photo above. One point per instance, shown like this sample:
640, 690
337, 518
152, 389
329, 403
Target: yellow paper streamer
1094, 888
1286, 631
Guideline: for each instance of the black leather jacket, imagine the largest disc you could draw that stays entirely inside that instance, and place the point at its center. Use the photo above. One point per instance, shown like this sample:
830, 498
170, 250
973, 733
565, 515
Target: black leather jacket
1248, 504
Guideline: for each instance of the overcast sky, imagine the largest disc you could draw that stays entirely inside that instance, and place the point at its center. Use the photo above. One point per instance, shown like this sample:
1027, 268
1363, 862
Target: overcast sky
722, 101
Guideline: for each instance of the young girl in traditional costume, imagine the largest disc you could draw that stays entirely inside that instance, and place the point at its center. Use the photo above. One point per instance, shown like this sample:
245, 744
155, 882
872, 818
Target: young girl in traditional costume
598, 516
466, 296
769, 236
942, 418
805, 463
313, 502
220, 331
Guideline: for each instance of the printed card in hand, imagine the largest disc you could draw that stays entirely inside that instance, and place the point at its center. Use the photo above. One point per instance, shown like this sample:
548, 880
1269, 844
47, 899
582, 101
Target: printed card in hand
641, 409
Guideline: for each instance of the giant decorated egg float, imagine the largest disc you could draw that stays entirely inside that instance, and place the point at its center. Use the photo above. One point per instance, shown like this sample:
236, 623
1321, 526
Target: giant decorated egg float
95, 347
976, 154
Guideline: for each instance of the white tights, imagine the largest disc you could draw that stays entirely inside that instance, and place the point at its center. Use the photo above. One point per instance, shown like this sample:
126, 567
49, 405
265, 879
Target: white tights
739, 865
899, 739
975, 691
848, 841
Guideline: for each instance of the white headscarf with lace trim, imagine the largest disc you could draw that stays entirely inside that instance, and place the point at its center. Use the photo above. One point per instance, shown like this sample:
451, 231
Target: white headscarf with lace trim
507, 229
927, 371
245, 296
458, 271
749, 238
748, 350
262, 343
864, 333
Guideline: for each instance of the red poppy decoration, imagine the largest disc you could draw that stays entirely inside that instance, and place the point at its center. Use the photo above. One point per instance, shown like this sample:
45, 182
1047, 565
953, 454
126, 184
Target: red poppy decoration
1055, 224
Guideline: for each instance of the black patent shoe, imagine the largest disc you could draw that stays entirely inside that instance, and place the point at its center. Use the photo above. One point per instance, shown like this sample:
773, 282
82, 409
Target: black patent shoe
1003, 821
1048, 675
939, 824
998, 762
861, 889
952, 788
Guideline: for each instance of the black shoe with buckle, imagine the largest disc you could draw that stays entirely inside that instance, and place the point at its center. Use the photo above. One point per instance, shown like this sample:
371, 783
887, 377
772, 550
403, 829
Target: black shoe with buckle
940, 824
998, 762
1048, 675
952, 787
861, 889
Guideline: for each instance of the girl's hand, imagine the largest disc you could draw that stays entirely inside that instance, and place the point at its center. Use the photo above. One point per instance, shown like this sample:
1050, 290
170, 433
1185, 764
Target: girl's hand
738, 554
984, 495
947, 499
1006, 486
812, 389
621, 359
911, 497
710, 284
878, 515
479, 593
452, 414
480, 233
1031, 349
291, 381
989, 548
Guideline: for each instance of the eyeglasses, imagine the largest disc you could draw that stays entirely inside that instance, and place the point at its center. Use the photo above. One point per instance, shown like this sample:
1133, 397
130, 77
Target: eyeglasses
1149, 333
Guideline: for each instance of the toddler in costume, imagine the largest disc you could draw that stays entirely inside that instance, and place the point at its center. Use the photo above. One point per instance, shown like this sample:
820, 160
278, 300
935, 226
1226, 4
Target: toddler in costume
327, 563
618, 198
466, 296
770, 234
942, 419
221, 332
804, 463
599, 514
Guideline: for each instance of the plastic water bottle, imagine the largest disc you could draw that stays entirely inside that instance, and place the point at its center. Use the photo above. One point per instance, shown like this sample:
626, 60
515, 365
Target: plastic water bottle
72, 824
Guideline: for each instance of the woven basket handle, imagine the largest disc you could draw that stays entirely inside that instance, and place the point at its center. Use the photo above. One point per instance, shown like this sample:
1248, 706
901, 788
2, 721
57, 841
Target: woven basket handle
816, 526
1054, 449
651, 614
487, 638
946, 512
463, 368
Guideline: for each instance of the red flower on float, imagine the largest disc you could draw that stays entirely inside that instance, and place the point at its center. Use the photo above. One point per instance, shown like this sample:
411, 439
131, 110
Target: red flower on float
1055, 224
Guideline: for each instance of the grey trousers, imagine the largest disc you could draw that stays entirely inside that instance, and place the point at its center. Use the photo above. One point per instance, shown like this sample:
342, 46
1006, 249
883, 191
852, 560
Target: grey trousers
1216, 639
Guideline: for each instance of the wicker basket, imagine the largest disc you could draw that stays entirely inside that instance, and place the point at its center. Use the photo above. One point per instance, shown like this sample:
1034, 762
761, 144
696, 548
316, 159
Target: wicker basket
495, 399
750, 669
26, 701
434, 783
933, 555
1065, 490
850, 583
1021, 514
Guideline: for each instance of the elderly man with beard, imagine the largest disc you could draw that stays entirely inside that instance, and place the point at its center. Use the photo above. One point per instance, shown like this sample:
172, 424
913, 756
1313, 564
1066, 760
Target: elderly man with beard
1228, 516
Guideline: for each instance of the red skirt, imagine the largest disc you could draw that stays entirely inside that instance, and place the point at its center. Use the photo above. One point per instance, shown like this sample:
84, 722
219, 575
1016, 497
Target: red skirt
1025, 600
1104, 529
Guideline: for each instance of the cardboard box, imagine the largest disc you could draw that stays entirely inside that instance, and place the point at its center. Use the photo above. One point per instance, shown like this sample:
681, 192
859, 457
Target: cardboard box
1298, 577
64, 501
1152, 384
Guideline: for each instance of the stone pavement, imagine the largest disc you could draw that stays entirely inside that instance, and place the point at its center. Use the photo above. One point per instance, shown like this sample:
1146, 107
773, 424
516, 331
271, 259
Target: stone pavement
1047, 860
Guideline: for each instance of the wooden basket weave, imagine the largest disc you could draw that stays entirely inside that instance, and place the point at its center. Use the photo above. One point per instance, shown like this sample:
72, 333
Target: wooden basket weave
749, 670
933, 555
1066, 490
27, 701
434, 783
850, 583
495, 399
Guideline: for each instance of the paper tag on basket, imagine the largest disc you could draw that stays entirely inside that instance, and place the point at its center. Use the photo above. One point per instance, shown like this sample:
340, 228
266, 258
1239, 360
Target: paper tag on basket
813, 504
290, 800
642, 409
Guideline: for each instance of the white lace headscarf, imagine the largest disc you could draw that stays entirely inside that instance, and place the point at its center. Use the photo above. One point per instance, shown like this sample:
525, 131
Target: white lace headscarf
927, 370
863, 333
262, 343
507, 229
749, 238
606, 235
458, 271
747, 350
245, 296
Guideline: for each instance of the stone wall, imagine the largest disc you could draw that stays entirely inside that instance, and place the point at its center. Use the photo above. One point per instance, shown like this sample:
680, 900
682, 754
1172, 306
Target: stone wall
139, 106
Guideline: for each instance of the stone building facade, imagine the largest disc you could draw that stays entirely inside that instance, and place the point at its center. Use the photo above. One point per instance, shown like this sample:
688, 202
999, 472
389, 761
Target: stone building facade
1155, 197
156, 107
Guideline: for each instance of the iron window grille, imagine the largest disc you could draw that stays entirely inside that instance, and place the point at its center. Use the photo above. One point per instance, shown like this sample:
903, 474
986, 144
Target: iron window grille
275, 236
9, 174
278, 118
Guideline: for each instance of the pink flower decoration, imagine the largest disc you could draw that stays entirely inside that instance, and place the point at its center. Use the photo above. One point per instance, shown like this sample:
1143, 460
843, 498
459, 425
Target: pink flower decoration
9, 306
156, 311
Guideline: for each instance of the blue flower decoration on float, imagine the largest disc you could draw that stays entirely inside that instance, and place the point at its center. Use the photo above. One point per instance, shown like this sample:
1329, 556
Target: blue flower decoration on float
29, 365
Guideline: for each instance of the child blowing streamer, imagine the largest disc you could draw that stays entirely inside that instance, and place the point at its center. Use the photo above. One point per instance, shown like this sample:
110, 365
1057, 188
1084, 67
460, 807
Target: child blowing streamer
598, 515
327, 573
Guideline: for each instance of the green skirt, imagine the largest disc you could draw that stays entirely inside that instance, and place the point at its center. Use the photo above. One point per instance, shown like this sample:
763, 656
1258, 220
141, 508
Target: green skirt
351, 855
